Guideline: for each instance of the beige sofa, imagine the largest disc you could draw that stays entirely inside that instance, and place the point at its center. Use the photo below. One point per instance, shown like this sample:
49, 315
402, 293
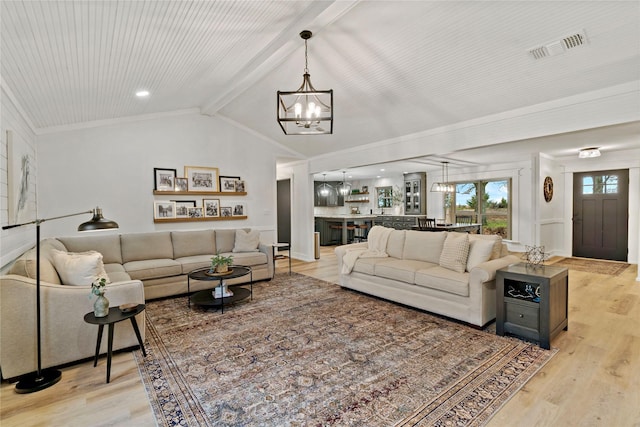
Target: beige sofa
416, 273
140, 266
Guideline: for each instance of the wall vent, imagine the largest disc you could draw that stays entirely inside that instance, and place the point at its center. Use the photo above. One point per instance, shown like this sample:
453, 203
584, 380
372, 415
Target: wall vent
558, 47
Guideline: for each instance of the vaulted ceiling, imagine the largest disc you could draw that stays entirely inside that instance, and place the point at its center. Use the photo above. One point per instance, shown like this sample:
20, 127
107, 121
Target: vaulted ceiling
396, 67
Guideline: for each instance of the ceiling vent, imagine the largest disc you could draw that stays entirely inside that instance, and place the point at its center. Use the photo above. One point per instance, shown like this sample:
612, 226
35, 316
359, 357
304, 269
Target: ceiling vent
558, 47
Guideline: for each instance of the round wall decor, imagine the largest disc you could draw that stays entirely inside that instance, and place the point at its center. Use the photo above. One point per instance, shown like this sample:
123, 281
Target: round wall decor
548, 189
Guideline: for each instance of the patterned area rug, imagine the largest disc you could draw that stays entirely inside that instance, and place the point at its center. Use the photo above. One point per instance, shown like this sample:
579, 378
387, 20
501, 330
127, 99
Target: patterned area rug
610, 268
305, 352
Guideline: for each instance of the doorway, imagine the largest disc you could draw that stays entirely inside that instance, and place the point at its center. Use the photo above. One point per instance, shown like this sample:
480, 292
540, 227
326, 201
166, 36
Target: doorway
284, 210
601, 214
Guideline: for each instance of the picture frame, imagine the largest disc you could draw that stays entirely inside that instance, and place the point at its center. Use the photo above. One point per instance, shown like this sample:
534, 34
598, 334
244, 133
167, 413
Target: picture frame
164, 210
226, 211
211, 208
239, 209
240, 186
194, 213
201, 178
182, 207
182, 184
228, 184
164, 179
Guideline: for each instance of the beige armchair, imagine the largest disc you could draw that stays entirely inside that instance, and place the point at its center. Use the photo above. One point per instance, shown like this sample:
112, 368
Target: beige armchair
65, 335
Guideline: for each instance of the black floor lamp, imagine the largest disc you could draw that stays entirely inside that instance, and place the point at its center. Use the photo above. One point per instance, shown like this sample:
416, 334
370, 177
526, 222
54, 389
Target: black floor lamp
44, 378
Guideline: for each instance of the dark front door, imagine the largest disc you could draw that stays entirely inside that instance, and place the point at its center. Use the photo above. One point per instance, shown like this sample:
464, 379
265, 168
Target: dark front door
600, 214
284, 210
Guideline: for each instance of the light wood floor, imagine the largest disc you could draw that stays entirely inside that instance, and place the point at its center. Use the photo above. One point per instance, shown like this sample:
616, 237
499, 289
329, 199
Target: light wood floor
594, 380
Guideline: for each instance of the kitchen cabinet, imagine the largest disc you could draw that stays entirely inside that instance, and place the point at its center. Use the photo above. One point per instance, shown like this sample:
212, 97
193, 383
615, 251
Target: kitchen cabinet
415, 201
398, 222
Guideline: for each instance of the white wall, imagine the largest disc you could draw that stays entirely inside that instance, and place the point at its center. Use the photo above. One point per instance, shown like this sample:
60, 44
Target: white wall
15, 241
550, 219
112, 167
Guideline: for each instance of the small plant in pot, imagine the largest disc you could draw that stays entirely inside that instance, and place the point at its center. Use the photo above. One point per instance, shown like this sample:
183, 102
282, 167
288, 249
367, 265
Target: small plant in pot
221, 263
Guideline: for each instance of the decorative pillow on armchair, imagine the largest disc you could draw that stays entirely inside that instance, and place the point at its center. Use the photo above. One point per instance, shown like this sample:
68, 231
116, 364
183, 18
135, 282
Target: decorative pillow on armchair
246, 241
78, 269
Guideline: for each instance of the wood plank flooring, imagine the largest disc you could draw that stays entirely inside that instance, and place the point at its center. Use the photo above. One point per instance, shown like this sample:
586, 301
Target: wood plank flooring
594, 380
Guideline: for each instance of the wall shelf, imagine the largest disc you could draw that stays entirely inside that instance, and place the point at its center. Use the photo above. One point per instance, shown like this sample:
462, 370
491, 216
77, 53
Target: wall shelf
198, 193
221, 218
357, 201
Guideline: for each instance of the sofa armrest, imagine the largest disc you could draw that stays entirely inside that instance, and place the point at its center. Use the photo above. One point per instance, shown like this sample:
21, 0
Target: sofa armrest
341, 250
268, 250
66, 337
486, 271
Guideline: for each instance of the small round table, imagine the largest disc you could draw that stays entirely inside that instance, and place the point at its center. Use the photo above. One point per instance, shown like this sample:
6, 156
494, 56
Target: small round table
115, 315
206, 298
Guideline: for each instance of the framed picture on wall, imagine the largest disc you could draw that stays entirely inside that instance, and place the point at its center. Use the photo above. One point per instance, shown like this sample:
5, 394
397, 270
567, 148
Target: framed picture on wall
200, 178
182, 207
226, 211
228, 183
239, 209
164, 179
240, 188
164, 210
182, 184
211, 208
194, 212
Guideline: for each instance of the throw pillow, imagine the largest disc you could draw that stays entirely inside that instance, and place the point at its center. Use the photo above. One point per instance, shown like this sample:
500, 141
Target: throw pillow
246, 241
479, 252
78, 269
455, 251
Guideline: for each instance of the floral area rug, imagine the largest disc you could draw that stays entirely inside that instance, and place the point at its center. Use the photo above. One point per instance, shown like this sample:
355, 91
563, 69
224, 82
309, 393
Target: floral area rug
305, 352
610, 268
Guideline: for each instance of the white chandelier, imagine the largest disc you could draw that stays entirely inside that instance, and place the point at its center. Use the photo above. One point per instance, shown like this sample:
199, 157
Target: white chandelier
445, 186
344, 188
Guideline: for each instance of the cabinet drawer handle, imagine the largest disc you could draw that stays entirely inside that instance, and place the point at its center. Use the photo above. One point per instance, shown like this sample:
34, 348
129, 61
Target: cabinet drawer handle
521, 315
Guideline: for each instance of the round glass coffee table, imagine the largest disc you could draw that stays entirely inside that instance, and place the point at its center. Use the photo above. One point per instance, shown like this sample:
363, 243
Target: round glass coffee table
208, 297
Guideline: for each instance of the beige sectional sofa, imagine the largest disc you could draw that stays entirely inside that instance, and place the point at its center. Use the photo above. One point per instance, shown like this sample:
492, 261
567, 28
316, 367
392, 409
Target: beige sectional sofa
140, 267
432, 271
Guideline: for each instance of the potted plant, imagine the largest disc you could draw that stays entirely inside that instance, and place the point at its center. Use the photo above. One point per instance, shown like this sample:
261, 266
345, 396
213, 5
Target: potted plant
101, 304
221, 263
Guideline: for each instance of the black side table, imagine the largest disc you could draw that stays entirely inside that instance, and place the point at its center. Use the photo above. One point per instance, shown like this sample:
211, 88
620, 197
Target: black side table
115, 315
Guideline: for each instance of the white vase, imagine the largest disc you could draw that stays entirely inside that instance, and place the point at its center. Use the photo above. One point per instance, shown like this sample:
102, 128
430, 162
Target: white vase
101, 306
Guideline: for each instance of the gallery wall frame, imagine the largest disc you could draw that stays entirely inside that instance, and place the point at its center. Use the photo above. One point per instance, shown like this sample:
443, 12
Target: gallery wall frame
202, 178
228, 184
164, 179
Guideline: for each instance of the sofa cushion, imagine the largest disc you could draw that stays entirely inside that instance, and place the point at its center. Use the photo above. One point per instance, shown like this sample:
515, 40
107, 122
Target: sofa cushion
246, 241
455, 252
108, 245
479, 251
366, 265
399, 269
190, 263
79, 269
146, 246
395, 244
497, 243
443, 279
225, 240
152, 268
249, 258
191, 243
25, 265
424, 245
116, 273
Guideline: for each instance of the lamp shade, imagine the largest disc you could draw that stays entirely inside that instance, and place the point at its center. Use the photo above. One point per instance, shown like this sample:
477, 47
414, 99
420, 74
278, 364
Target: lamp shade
98, 222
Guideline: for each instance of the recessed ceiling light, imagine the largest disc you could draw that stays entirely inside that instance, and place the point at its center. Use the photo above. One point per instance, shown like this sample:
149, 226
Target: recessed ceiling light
381, 170
142, 93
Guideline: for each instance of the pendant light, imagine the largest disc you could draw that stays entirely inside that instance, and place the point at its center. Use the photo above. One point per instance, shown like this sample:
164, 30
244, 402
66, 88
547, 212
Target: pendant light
325, 188
444, 186
306, 111
344, 188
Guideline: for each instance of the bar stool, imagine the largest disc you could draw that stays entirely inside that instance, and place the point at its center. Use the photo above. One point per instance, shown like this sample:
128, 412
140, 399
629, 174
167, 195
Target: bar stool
361, 232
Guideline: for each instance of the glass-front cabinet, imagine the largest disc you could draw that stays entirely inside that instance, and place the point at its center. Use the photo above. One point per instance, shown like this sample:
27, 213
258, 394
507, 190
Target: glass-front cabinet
415, 202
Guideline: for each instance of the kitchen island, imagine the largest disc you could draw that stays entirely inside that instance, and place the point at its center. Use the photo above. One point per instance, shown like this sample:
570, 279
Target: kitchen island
324, 223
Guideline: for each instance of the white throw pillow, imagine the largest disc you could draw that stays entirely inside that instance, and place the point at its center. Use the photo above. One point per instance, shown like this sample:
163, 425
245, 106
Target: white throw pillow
479, 252
246, 241
455, 251
78, 269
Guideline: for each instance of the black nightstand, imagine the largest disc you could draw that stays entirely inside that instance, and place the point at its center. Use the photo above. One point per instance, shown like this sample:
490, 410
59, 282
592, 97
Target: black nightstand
532, 302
